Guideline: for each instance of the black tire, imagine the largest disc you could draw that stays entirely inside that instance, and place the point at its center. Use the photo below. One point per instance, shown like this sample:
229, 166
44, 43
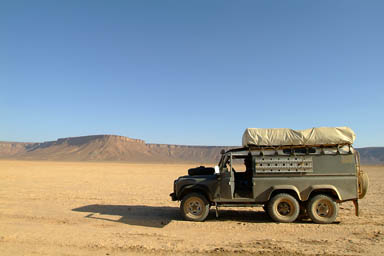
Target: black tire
194, 207
363, 184
322, 209
283, 208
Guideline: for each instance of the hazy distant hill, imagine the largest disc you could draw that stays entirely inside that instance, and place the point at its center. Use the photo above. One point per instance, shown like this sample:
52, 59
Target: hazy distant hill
372, 155
119, 148
10, 149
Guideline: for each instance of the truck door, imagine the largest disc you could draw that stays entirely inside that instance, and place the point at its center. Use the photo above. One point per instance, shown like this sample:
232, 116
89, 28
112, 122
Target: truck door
227, 181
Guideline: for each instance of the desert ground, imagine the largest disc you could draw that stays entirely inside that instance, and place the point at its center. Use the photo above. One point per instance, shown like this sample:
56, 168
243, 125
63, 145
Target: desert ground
83, 208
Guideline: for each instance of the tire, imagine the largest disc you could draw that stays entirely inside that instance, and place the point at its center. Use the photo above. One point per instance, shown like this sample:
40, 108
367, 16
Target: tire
194, 207
283, 208
363, 184
322, 209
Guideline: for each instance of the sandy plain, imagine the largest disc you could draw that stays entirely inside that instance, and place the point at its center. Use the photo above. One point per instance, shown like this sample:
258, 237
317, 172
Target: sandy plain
82, 208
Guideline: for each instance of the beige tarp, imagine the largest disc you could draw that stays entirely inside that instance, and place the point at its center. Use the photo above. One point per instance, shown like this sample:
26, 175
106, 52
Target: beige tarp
285, 136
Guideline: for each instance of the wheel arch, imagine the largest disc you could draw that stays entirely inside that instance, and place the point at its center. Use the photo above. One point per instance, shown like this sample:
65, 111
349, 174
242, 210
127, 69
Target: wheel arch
195, 189
328, 190
288, 189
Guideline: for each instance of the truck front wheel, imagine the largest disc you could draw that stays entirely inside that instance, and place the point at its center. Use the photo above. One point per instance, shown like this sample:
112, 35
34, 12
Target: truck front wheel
283, 208
322, 209
194, 207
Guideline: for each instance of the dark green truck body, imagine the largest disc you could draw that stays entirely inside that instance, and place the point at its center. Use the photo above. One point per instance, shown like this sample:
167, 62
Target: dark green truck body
300, 172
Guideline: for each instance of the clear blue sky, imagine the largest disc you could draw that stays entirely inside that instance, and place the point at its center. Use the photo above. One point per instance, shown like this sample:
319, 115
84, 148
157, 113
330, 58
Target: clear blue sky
190, 72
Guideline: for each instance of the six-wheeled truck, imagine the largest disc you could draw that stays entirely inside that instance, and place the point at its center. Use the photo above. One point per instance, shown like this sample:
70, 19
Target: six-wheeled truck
287, 172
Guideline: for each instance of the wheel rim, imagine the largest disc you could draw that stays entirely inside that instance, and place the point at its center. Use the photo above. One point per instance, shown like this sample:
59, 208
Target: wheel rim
285, 208
194, 207
324, 208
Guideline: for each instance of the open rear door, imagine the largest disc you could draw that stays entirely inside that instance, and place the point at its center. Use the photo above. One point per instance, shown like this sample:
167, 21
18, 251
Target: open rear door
227, 182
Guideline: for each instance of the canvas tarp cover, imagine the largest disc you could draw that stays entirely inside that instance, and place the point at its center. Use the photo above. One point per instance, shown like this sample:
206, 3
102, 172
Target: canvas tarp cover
288, 137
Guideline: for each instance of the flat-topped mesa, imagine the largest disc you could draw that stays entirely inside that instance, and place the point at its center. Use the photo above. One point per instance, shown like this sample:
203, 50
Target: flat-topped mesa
86, 139
122, 139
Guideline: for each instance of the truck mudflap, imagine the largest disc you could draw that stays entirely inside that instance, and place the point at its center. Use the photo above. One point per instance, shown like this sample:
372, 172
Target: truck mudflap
173, 196
356, 204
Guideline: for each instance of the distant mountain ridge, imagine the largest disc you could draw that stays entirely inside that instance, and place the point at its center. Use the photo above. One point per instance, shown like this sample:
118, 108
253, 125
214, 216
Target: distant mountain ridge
108, 148
371, 155
120, 148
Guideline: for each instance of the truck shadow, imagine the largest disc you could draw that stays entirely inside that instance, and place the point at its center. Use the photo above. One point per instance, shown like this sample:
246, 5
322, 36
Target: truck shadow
138, 215
160, 216
251, 216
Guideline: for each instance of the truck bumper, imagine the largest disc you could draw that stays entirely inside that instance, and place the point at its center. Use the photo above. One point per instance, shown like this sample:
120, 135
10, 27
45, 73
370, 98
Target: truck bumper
173, 196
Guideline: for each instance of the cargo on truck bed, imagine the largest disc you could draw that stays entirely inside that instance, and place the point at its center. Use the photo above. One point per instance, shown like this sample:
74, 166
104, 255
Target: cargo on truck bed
321, 136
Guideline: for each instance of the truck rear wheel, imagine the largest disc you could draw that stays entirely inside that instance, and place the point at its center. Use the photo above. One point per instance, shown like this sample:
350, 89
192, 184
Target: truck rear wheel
322, 209
283, 208
194, 207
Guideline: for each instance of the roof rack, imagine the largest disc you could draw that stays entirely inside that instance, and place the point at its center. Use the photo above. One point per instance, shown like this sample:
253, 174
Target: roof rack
292, 148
